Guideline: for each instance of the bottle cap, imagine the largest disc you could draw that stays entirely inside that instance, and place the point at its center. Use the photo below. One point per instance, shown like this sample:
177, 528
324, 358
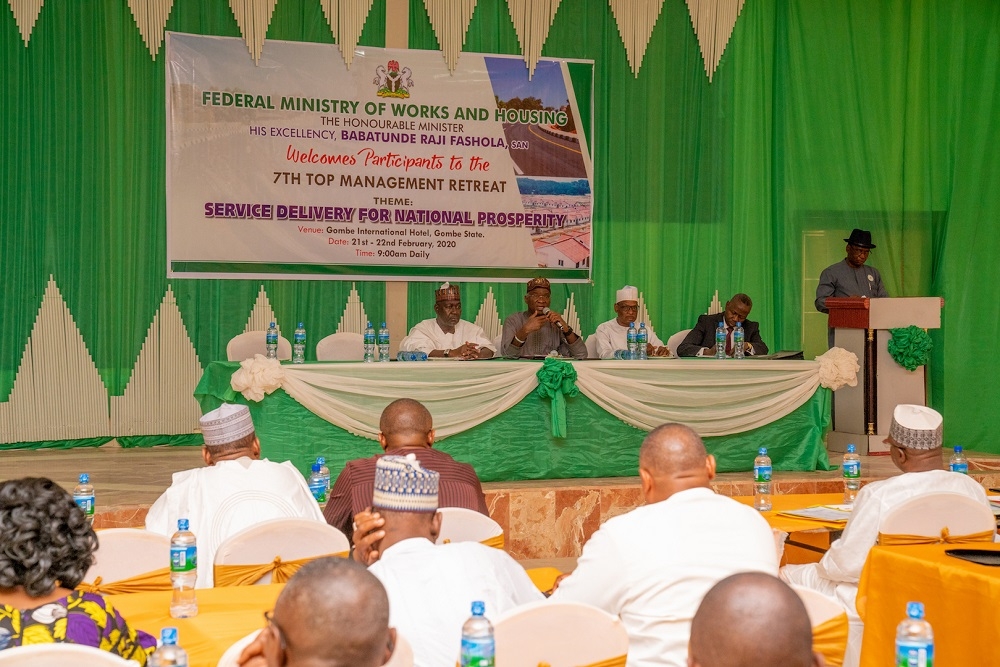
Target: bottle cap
722, 324
168, 636
368, 324
478, 608
850, 449
915, 610
631, 325
321, 460
958, 450
383, 325
739, 325
84, 478
300, 325
182, 524
762, 451
642, 325
272, 324
316, 467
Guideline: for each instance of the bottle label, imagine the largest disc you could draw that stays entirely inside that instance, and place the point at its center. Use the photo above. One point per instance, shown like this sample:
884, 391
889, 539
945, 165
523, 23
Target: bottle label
184, 559
914, 654
86, 503
271, 338
852, 469
300, 339
477, 652
960, 467
318, 489
762, 473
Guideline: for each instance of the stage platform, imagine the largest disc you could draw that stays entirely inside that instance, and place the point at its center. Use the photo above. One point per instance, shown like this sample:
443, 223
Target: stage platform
545, 519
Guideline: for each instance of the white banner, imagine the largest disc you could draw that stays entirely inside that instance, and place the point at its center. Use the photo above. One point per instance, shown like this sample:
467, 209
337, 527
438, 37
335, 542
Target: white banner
394, 169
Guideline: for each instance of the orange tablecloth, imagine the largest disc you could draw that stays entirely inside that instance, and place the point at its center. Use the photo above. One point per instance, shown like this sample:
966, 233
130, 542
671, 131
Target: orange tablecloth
224, 616
797, 501
959, 597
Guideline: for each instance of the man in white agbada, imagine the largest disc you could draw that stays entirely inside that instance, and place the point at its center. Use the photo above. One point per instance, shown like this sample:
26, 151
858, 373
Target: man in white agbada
610, 335
652, 566
448, 335
236, 490
431, 587
915, 437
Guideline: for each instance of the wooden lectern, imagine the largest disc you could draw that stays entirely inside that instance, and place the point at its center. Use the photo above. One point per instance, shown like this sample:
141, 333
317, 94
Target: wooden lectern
862, 414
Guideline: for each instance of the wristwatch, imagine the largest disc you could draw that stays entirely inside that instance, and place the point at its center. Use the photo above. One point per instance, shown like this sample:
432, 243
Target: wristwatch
447, 352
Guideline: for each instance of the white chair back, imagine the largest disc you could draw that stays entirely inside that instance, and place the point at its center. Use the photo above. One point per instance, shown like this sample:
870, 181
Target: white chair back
123, 553
250, 343
591, 344
674, 341
343, 346
402, 654
232, 654
292, 539
60, 655
560, 634
819, 607
928, 514
464, 525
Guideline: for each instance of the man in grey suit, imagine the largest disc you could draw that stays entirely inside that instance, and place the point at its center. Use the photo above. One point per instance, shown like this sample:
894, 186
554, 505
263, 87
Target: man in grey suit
700, 341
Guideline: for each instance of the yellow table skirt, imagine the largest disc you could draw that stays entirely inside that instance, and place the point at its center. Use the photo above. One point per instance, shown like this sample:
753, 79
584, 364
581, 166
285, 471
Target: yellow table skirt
224, 616
960, 600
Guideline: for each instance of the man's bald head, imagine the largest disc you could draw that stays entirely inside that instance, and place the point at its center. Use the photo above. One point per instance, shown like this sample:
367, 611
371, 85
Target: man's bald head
673, 458
406, 423
751, 619
334, 612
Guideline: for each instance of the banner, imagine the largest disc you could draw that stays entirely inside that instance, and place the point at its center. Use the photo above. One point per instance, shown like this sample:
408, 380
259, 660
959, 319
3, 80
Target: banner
394, 169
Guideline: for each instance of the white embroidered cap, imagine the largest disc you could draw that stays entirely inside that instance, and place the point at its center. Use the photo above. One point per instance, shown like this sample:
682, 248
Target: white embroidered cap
916, 427
227, 423
627, 293
401, 484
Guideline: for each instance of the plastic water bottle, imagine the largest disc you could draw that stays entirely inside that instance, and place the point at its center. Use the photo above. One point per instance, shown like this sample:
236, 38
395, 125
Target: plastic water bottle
299, 345
183, 572
739, 338
383, 343
324, 471
852, 475
621, 355
317, 485
271, 341
914, 639
720, 340
413, 355
642, 340
369, 341
957, 463
477, 639
762, 480
169, 654
632, 341
83, 496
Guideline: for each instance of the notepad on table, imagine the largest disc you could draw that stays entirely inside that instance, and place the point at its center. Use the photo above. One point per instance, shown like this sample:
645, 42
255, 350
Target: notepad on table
828, 513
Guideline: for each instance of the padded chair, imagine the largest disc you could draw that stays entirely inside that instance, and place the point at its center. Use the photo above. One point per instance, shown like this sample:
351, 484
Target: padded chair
559, 634
343, 346
402, 655
591, 344
828, 619
463, 525
675, 341
232, 654
58, 655
125, 554
275, 550
250, 343
929, 515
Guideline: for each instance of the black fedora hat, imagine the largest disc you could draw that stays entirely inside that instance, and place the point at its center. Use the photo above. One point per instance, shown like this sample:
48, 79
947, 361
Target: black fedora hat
861, 238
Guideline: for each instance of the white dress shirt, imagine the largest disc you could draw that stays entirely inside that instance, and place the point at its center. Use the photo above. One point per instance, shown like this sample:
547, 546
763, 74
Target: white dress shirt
427, 336
432, 587
652, 566
222, 499
611, 336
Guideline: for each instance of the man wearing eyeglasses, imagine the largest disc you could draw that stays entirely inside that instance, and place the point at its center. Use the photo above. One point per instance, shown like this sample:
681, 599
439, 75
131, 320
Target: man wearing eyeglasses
611, 335
850, 276
700, 341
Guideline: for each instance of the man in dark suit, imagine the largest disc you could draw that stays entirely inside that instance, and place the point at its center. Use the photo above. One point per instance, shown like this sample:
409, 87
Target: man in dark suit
700, 341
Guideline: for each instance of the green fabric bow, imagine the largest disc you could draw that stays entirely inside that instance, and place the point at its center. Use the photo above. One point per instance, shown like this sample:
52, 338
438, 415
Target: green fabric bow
910, 347
557, 380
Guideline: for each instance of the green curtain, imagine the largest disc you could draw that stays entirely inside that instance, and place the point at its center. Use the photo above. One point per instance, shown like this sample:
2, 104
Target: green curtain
820, 117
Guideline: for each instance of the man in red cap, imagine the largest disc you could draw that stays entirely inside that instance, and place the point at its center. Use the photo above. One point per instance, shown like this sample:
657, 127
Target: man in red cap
538, 331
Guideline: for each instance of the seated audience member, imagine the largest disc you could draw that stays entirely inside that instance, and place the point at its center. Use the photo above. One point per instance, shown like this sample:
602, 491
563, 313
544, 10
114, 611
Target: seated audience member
331, 613
46, 547
700, 341
538, 331
448, 335
405, 426
751, 619
236, 490
431, 587
611, 335
652, 566
915, 447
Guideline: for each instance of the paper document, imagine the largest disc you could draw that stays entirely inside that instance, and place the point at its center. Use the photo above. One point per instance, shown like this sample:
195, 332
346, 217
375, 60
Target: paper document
829, 513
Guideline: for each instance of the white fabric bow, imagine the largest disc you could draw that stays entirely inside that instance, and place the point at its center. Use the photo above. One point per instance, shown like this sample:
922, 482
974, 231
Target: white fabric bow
257, 377
838, 367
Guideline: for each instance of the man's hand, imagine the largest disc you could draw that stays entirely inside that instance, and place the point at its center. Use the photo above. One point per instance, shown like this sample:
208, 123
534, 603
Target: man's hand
652, 351
467, 351
709, 351
367, 535
557, 320
253, 654
535, 322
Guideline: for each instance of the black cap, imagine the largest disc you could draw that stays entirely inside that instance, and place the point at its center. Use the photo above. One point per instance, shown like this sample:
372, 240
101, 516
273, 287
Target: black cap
861, 238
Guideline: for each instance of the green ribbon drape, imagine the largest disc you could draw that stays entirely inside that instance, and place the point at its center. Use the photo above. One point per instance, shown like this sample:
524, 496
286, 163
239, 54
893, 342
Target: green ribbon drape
910, 347
557, 380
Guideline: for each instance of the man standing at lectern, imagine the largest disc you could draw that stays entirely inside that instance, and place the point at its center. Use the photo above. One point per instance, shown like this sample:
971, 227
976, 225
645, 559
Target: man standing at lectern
850, 277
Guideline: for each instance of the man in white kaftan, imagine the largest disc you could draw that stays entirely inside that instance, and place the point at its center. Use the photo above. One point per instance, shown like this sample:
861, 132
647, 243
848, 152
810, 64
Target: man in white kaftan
448, 335
237, 489
612, 335
915, 448
652, 566
431, 587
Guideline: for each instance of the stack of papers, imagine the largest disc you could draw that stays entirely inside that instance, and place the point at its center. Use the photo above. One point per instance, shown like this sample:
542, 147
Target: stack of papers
826, 513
